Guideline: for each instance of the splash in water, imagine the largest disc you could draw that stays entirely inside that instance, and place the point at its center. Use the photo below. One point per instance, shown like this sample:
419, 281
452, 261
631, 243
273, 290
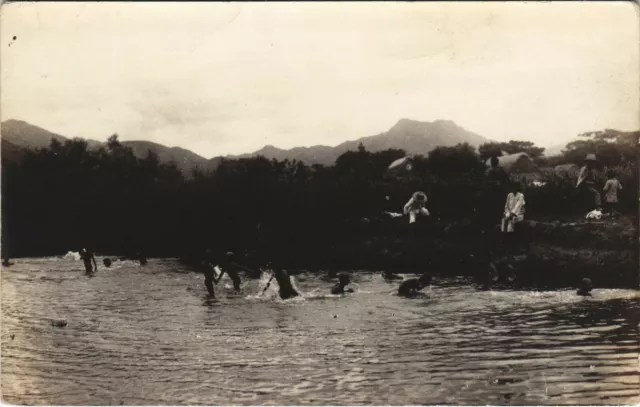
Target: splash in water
269, 290
72, 256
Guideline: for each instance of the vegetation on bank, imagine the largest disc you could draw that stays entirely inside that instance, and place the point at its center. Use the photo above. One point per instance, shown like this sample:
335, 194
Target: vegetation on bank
67, 196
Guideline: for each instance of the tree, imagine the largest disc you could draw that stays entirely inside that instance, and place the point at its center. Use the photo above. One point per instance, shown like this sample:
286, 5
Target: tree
612, 147
461, 158
488, 150
113, 143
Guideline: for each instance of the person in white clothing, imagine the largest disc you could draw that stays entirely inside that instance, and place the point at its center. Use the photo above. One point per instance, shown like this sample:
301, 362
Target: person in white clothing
416, 206
611, 189
513, 209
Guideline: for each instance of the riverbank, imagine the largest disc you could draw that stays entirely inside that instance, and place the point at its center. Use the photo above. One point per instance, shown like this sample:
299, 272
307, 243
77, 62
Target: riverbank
556, 253
548, 254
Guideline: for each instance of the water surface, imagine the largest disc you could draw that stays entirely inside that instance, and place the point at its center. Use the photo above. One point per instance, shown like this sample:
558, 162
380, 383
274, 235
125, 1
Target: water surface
149, 335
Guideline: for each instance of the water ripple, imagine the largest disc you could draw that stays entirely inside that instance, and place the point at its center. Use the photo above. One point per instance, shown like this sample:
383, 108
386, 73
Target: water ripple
148, 335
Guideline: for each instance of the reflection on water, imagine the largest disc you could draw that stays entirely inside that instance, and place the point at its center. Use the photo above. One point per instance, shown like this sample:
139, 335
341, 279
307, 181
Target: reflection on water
148, 335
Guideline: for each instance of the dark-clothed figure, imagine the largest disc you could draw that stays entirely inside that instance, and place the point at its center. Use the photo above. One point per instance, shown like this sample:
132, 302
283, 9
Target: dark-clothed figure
588, 182
410, 287
343, 281
232, 268
88, 257
284, 282
497, 184
141, 258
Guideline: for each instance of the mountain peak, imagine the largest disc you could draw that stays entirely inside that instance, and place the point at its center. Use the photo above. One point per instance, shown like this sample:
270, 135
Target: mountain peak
438, 122
269, 148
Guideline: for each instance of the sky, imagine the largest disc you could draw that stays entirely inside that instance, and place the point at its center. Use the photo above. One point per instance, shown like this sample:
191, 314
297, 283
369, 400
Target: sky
229, 78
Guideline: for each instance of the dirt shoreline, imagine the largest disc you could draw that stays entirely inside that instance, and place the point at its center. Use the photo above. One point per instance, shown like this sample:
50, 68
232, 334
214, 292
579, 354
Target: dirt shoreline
552, 254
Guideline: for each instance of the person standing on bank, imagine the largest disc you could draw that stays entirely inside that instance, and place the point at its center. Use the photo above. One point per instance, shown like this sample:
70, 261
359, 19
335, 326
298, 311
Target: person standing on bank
588, 182
497, 186
611, 188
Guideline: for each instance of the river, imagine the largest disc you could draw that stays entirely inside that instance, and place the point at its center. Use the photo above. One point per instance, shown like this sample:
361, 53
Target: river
150, 336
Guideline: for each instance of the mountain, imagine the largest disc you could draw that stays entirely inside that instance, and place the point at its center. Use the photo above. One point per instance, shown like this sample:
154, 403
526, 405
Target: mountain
18, 136
310, 155
417, 137
24, 135
413, 136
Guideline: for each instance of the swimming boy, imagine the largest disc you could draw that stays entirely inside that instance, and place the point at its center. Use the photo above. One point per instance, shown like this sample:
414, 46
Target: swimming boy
231, 267
585, 287
209, 278
343, 281
141, 258
410, 287
87, 257
284, 282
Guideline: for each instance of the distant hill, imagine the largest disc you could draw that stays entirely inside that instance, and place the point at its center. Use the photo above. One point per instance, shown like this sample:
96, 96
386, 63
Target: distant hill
18, 136
413, 136
310, 155
25, 135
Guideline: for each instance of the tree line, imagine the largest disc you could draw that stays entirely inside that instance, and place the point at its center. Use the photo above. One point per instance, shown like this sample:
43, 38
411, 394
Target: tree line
68, 196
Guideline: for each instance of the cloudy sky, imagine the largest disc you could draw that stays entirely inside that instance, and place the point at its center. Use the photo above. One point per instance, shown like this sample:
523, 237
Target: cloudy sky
226, 78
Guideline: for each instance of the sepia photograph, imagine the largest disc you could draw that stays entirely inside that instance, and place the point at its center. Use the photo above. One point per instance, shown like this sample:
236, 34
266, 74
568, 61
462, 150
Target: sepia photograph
331, 203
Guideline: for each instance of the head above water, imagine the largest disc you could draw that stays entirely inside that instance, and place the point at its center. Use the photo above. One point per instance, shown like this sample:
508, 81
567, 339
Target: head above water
425, 279
586, 284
